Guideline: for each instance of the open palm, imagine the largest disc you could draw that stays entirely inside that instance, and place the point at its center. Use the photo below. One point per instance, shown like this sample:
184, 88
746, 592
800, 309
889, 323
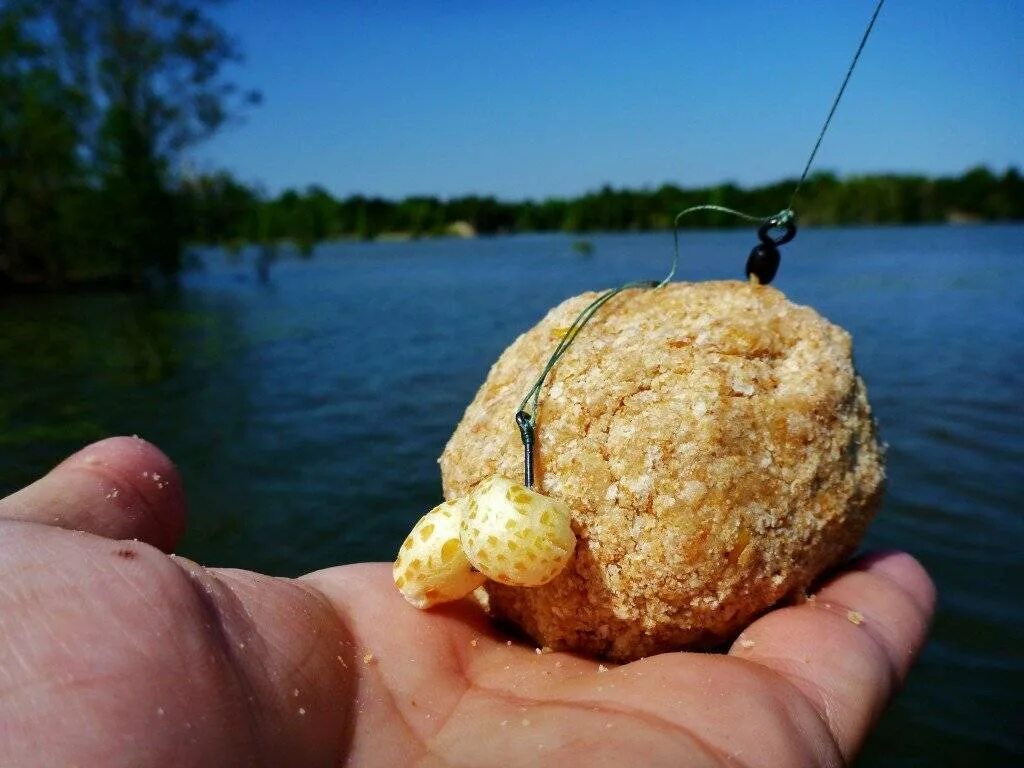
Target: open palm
113, 653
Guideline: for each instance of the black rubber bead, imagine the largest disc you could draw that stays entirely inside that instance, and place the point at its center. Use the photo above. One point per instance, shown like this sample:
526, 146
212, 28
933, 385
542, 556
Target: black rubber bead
763, 262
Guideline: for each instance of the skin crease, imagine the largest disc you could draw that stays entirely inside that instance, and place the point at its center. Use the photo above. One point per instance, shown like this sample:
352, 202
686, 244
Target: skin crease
114, 653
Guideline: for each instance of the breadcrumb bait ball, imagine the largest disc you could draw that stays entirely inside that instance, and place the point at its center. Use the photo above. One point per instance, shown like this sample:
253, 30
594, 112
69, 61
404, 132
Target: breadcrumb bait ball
714, 446
431, 567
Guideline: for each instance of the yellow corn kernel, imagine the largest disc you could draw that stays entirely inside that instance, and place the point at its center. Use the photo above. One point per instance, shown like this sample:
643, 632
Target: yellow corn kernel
514, 535
431, 567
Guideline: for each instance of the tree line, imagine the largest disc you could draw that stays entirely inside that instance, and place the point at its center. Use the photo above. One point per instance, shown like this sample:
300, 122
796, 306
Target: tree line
223, 211
101, 100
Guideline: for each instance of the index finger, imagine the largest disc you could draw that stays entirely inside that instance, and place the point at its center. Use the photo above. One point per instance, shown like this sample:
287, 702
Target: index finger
849, 647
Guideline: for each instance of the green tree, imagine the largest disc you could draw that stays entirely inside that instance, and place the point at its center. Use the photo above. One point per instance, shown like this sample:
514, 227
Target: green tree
40, 174
130, 85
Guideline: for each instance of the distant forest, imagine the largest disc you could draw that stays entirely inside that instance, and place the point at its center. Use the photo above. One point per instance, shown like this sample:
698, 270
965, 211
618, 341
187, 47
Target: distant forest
102, 100
220, 210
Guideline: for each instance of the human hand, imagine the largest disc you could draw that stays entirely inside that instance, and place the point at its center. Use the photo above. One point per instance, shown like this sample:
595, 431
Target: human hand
113, 653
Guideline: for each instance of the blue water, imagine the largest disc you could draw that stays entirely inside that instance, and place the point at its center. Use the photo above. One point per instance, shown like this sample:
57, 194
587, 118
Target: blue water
307, 413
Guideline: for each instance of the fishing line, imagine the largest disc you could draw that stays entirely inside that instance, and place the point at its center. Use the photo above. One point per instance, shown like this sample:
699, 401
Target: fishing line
762, 264
838, 98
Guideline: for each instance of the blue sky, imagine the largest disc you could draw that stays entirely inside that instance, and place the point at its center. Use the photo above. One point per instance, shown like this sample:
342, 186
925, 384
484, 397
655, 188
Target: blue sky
533, 99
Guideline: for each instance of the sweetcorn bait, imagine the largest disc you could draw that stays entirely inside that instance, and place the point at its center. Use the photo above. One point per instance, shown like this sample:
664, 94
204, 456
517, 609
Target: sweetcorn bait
502, 531
514, 535
431, 567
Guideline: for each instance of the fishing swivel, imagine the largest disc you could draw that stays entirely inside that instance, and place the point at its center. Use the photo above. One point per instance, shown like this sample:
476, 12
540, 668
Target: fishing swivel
764, 258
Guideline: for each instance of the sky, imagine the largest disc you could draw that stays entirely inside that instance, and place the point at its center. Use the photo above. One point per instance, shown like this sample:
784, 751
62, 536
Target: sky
530, 99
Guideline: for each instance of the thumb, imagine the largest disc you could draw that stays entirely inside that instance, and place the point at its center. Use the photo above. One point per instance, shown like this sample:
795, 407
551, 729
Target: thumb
118, 488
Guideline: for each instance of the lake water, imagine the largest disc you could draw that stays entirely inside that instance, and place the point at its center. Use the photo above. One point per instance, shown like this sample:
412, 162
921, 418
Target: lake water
307, 413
